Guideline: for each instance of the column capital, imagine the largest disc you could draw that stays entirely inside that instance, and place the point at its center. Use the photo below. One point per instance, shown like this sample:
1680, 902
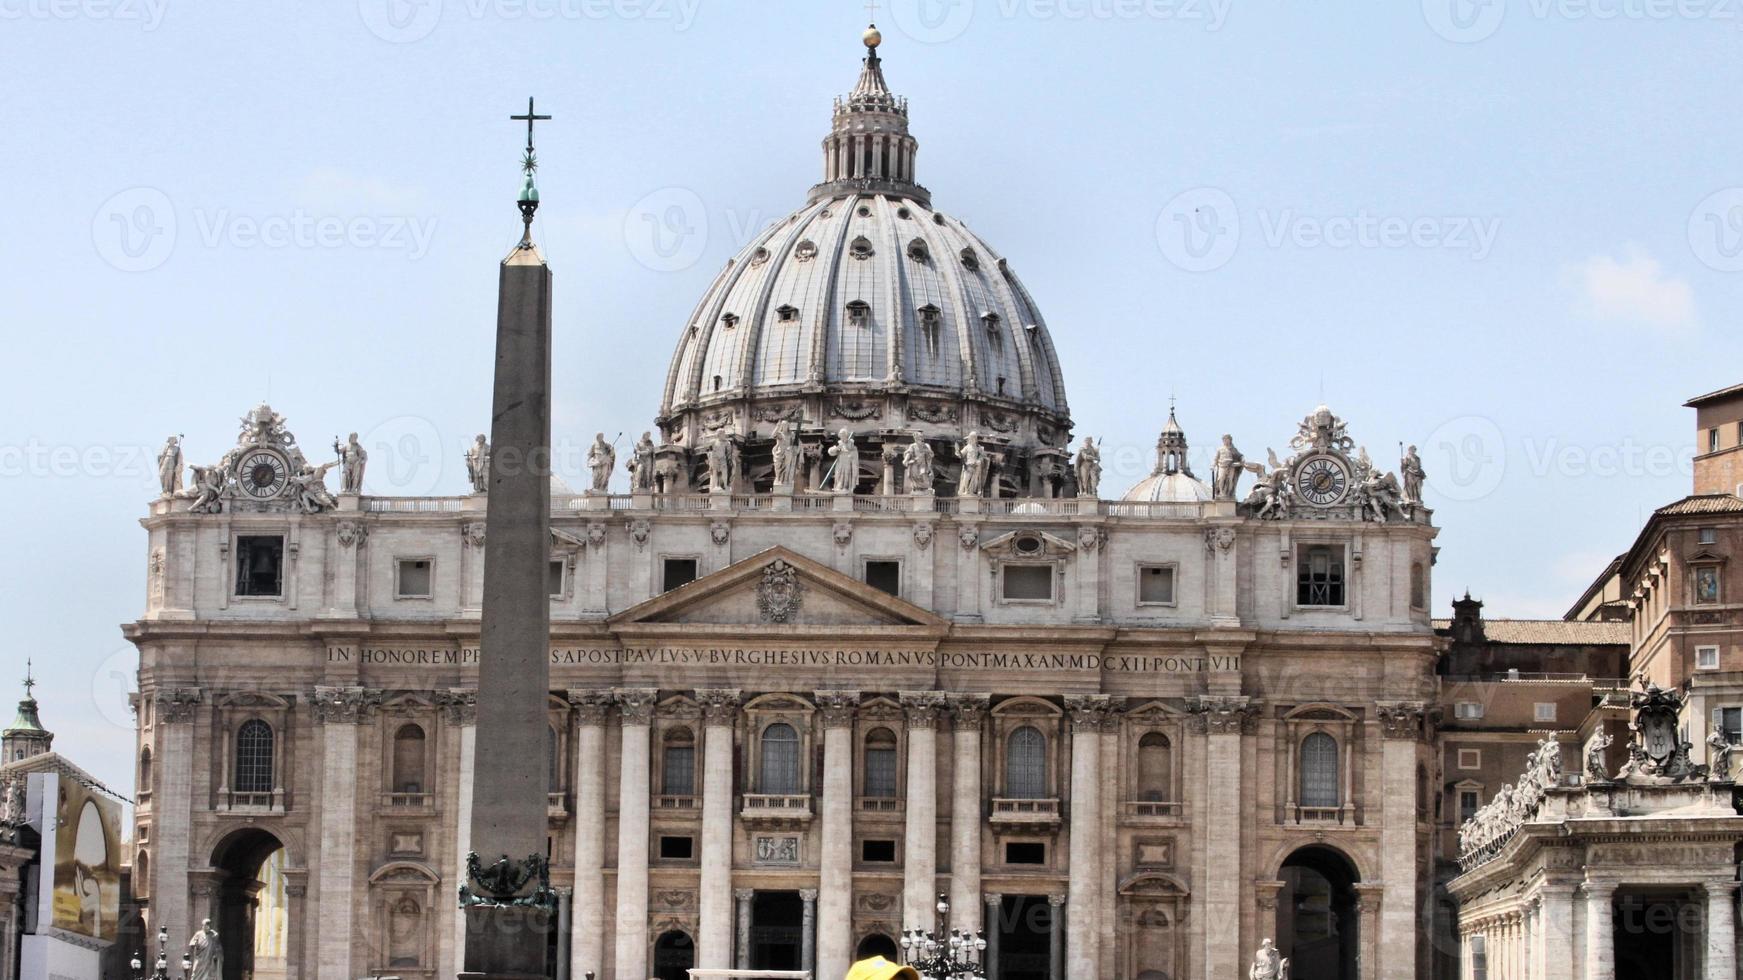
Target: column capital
175, 704
719, 704
1226, 714
993, 898
967, 711
1057, 901
460, 704
744, 894
837, 707
808, 895
1086, 711
1720, 889
1400, 719
590, 705
922, 707
636, 704
346, 705
1110, 719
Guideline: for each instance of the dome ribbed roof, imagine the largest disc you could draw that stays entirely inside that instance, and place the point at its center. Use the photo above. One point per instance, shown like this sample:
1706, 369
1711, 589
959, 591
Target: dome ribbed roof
1172, 480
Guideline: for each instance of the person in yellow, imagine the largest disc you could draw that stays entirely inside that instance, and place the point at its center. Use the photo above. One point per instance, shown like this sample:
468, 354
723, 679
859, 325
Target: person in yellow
878, 968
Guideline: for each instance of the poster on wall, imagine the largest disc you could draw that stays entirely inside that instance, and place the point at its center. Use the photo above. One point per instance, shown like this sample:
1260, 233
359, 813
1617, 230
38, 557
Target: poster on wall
85, 826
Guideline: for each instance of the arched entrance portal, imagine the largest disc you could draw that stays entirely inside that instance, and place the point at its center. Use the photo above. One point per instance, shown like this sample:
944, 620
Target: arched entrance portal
1317, 924
251, 915
674, 955
878, 944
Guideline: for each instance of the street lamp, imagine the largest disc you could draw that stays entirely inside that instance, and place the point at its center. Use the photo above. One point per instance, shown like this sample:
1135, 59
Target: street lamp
160, 970
945, 953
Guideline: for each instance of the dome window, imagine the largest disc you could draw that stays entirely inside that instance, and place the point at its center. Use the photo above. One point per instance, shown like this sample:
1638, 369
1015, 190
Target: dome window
758, 257
858, 313
918, 251
970, 261
904, 213
929, 321
805, 251
729, 320
861, 248
787, 313
864, 211
993, 336
937, 218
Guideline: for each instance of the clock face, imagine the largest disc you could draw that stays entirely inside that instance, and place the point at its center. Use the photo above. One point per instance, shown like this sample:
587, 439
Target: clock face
262, 474
1322, 480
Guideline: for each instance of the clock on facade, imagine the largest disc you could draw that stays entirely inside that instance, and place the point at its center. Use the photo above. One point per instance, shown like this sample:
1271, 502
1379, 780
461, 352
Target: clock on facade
1322, 480
262, 474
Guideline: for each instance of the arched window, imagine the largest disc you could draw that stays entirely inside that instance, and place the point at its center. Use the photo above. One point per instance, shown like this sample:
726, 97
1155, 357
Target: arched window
556, 775
1319, 770
254, 757
678, 764
880, 764
408, 759
779, 773
1026, 764
145, 770
1155, 768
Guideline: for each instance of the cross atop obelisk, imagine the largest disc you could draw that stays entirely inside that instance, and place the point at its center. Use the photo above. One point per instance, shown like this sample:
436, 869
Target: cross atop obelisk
506, 895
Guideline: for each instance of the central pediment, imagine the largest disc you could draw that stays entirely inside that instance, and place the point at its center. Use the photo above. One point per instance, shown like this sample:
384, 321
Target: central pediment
780, 590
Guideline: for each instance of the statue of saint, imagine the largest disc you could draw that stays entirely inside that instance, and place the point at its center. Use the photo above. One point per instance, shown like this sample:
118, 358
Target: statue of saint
972, 481
478, 464
351, 461
641, 464
1410, 468
1089, 469
785, 454
917, 465
169, 467
1268, 964
205, 954
601, 460
846, 472
1225, 470
719, 467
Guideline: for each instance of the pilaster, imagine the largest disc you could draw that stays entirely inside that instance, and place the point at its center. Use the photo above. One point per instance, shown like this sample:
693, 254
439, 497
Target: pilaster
966, 714
714, 903
1083, 930
1222, 719
920, 837
834, 898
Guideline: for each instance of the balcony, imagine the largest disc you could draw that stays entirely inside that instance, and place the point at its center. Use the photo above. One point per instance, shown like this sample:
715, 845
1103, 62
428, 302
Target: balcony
237, 801
776, 809
879, 805
1151, 810
678, 804
1323, 816
408, 801
557, 806
1025, 813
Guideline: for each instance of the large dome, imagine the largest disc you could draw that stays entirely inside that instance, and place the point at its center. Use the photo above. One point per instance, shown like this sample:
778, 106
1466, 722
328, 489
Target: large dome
868, 309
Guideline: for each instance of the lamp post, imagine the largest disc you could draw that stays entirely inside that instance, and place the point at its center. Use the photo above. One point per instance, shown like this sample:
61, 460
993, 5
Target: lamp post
945, 953
160, 970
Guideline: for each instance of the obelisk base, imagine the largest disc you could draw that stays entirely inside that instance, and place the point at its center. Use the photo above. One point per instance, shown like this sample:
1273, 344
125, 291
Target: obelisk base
506, 943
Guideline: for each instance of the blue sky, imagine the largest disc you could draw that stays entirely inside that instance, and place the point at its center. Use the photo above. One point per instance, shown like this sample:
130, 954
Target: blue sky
1507, 232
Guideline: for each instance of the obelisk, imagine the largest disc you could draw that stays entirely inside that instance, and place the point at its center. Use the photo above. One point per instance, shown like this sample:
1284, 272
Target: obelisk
506, 918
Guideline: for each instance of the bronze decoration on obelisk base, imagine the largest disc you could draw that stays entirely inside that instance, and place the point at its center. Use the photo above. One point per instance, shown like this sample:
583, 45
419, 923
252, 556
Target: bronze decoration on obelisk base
506, 895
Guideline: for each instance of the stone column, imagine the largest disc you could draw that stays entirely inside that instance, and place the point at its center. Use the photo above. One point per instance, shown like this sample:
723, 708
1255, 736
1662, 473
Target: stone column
920, 837
1400, 729
743, 897
1056, 937
172, 811
966, 713
994, 904
1721, 931
587, 920
1600, 930
1558, 926
1084, 850
296, 892
339, 710
714, 903
834, 938
636, 711
808, 931
1107, 829
565, 937
1222, 718
461, 708
1367, 941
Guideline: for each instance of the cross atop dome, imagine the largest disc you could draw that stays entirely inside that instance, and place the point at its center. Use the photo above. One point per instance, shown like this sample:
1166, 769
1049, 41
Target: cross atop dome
25, 737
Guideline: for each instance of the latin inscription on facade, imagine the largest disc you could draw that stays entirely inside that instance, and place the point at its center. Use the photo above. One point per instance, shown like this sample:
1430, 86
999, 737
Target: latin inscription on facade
802, 658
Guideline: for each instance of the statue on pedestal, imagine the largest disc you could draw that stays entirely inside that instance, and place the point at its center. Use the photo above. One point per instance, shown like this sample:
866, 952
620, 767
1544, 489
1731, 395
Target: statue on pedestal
601, 460
1225, 470
972, 481
1595, 770
169, 467
785, 454
1088, 467
1410, 469
1268, 964
846, 472
917, 461
478, 464
205, 954
720, 468
1719, 758
641, 464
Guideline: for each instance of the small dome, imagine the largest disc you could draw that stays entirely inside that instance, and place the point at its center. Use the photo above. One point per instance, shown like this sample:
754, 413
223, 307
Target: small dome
1175, 488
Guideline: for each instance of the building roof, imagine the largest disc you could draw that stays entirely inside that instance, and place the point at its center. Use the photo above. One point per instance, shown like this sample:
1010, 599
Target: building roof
1703, 503
1713, 396
60, 765
1551, 631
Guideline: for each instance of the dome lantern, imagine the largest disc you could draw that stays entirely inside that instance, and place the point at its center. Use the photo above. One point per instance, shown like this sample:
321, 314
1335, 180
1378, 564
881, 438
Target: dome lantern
868, 146
1172, 480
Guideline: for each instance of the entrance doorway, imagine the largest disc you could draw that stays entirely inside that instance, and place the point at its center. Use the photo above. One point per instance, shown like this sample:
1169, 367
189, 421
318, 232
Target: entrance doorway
1316, 915
674, 955
1659, 935
777, 922
1025, 929
878, 944
251, 916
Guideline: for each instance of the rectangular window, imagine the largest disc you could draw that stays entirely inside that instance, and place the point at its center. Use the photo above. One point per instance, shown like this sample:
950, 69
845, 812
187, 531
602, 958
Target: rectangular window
1469, 802
677, 572
1470, 758
1468, 710
678, 771
1706, 584
885, 576
1028, 583
1155, 585
1712, 440
1319, 579
1706, 658
260, 565
1543, 711
554, 577
880, 772
413, 579
1709, 535
877, 851
1729, 723
677, 848
1025, 852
